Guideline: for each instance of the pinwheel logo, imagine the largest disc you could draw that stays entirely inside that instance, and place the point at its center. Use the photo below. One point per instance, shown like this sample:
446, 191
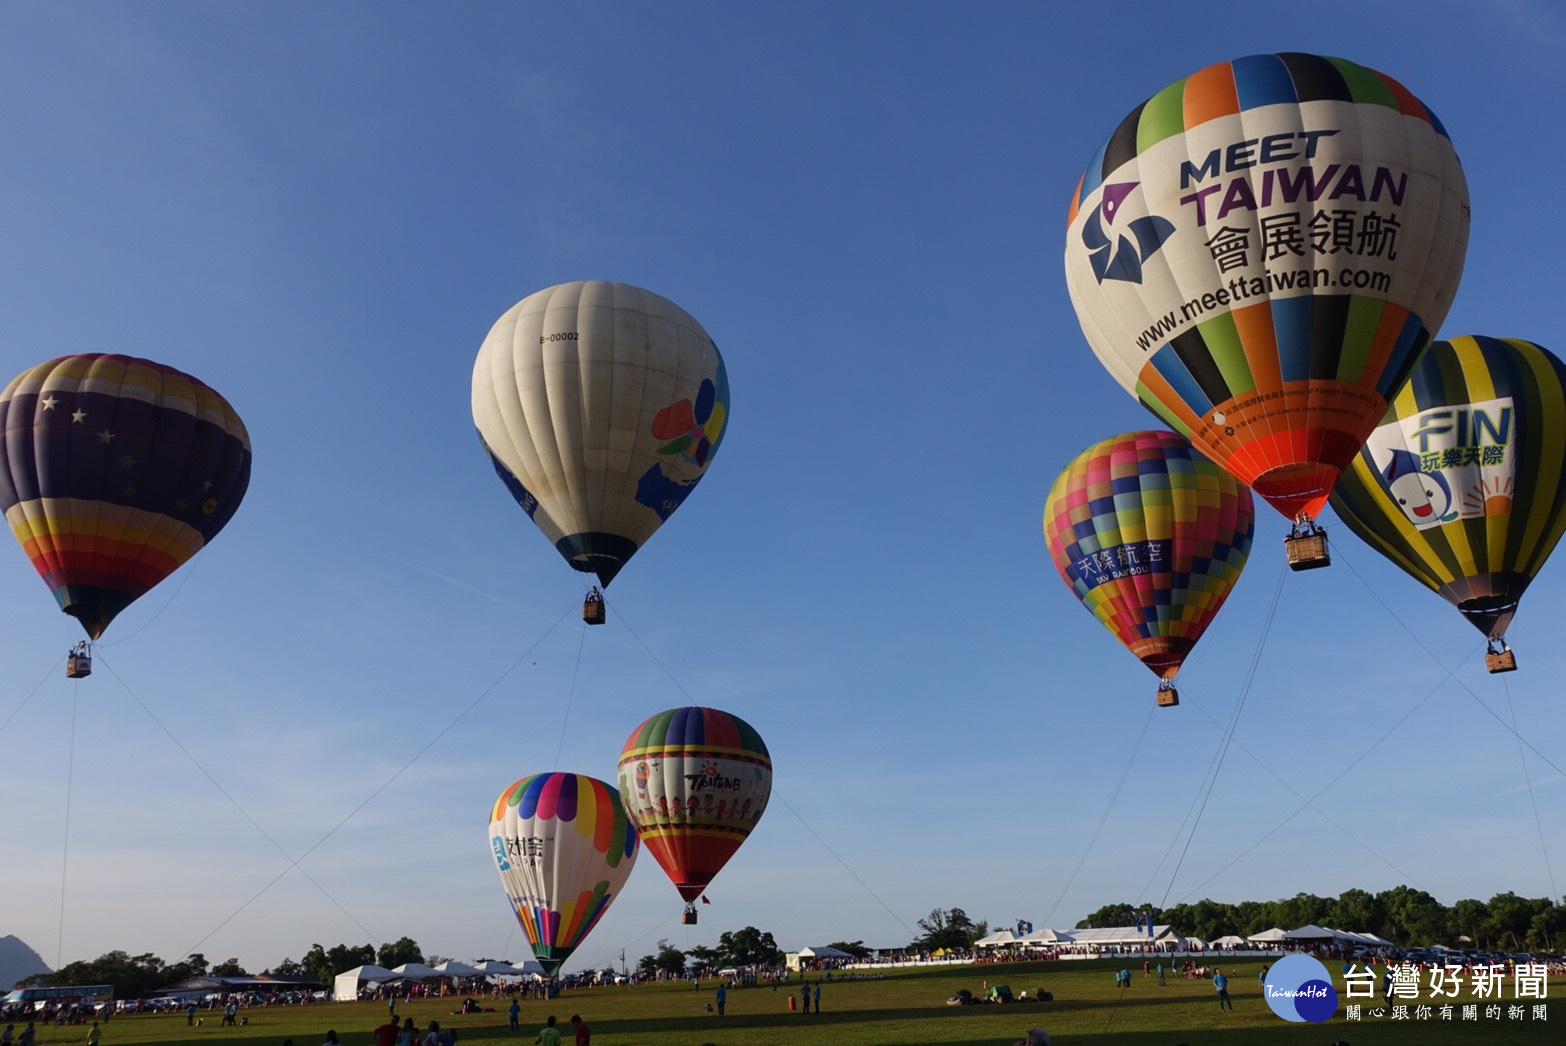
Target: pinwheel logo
1299, 988
1114, 255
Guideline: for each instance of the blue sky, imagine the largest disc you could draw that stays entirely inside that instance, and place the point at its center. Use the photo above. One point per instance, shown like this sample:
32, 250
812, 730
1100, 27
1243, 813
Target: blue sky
320, 210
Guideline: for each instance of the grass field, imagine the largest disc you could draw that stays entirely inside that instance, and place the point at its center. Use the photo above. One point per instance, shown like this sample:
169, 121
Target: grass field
905, 1007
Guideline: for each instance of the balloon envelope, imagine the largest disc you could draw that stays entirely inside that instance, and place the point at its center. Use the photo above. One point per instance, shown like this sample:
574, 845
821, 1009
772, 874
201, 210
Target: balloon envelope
601, 406
1259, 253
1150, 536
564, 848
116, 471
694, 781
1461, 485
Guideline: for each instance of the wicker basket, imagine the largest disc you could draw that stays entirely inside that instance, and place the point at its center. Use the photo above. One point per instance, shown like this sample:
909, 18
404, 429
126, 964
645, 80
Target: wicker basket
1307, 551
1500, 661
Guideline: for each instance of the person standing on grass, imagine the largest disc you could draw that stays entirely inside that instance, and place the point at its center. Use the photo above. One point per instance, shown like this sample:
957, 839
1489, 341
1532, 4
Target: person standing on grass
1221, 983
548, 1035
584, 1034
386, 1034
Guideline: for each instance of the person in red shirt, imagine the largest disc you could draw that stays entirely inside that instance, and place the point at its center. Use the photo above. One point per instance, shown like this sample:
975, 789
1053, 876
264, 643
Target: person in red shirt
386, 1034
584, 1034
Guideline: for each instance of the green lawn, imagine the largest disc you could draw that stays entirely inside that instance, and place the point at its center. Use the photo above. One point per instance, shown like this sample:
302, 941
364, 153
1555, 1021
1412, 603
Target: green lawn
905, 1007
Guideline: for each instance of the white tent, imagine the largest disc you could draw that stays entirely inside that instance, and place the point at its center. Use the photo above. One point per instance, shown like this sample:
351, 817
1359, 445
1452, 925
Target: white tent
345, 986
998, 939
416, 971
1272, 936
496, 968
453, 968
823, 952
1229, 941
1044, 935
1311, 932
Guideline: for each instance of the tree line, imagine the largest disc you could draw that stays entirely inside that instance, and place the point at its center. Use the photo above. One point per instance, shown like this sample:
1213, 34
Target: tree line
1403, 915
138, 976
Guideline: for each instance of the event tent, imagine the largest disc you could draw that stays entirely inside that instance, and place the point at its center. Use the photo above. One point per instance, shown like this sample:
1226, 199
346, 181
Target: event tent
453, 968
1044, 935
823, 951
1229, 941
496, 968
1272, 936
416, 971
1310, 932
1125, 936
345, 986
998, 939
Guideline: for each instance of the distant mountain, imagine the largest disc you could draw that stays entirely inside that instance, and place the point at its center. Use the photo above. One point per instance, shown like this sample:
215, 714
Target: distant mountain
17, 960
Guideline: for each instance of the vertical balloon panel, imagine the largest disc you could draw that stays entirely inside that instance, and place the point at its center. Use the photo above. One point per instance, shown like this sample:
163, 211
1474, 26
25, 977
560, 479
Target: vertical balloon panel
564, 849
1259, 253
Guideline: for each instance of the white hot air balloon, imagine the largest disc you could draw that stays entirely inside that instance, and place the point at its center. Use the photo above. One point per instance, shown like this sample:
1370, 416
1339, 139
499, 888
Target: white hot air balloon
601, 406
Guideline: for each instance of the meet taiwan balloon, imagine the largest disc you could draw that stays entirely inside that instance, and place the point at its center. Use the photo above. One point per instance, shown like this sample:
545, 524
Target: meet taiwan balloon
1461, 485
1260, 252
601, 406
116, 471
564, 849
694, 782
1151, 537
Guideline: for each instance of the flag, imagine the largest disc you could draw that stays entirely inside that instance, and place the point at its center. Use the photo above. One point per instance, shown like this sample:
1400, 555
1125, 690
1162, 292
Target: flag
704, 899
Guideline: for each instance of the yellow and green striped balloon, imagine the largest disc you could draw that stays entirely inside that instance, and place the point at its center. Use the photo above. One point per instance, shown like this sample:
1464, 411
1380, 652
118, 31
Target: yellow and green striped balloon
1461, 485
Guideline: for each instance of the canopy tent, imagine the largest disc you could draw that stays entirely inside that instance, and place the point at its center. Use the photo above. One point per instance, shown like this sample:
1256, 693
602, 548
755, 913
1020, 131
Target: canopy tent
345, 986
496, 968
416, 971
823, 951
453, 968
998, 939
1272, 936
1228, 941
1044, 935
1310, 932
1125, 936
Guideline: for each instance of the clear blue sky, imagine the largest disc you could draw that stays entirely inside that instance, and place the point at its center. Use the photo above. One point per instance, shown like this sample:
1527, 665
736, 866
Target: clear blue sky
320, 210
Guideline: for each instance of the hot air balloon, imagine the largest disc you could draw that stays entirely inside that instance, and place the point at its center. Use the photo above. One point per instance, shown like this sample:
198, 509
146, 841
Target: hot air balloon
115, 472
1150, 536
601, 406
694, 782
1461, 485
564, 849
1259, 253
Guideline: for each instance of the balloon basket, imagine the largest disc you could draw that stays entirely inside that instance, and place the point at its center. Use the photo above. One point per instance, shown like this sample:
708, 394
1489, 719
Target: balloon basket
1307, 546
1502, 660
689, 916
78, 663
1168, 697
593, 608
